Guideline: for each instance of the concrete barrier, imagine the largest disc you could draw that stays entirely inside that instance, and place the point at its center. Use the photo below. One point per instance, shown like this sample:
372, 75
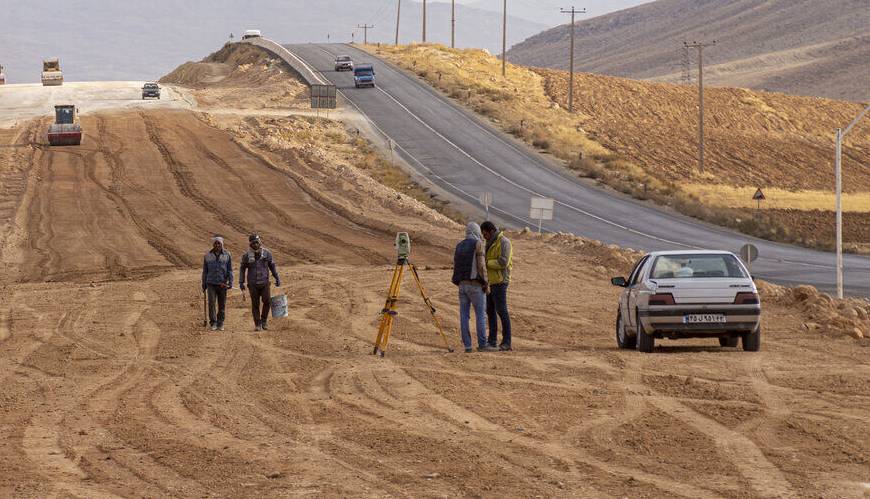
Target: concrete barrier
302, 69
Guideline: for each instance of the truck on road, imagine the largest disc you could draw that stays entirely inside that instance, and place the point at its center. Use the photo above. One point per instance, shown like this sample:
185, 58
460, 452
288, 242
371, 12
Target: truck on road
2, 76
364, 75
51, 73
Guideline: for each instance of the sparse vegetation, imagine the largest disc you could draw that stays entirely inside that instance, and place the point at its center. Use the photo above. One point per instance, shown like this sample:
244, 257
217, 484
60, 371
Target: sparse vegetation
639, 138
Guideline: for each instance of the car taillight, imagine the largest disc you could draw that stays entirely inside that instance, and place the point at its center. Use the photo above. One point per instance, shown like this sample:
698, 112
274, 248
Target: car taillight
746, 299
662, 299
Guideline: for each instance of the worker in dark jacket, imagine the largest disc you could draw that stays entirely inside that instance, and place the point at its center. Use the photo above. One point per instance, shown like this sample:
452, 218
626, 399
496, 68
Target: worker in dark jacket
499, 262
469, 273
217, 278
257, 264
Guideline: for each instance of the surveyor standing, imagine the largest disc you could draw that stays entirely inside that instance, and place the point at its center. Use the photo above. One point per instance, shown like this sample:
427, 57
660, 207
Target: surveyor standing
499, 261
469, 273
217, 278
257, 263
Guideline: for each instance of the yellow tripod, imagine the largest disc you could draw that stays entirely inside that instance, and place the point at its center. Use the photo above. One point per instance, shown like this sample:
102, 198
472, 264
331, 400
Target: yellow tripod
389, 312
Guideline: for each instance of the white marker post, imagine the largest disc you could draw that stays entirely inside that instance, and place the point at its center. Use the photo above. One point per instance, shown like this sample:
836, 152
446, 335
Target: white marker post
541, 209
486, 200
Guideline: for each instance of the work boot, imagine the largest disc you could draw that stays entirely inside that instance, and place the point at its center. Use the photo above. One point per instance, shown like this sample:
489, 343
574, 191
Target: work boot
220, 327
213, 327
505, 348
469, 350
258, 328
486, 349
264, 326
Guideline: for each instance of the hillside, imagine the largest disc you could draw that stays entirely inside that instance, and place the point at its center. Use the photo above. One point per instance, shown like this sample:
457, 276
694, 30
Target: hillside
108, 40
639, 137
816, 48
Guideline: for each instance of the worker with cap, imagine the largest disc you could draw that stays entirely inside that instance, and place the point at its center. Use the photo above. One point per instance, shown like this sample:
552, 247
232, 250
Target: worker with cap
257, 264
217, 278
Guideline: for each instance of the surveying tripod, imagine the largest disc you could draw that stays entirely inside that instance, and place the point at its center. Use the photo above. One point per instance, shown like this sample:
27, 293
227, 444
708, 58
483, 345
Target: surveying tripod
389, 313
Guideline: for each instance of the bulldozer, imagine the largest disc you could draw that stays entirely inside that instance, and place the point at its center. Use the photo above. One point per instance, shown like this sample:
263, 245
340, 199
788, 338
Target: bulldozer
66, 130
51, 73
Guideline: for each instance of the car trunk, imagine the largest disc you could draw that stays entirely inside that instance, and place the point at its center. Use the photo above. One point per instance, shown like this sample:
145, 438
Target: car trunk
703, 290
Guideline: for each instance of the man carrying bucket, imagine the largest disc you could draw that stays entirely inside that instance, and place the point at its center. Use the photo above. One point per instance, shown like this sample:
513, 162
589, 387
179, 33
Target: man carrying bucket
257, 263
217, 278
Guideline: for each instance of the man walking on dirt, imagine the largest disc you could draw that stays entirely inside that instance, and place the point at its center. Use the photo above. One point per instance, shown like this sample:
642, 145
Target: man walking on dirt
257, 264
469, 273
217, 278
499, 261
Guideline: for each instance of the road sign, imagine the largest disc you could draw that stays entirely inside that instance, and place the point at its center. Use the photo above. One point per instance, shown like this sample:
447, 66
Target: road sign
323, 97
758, 196
541, 209
749, 253
486, 200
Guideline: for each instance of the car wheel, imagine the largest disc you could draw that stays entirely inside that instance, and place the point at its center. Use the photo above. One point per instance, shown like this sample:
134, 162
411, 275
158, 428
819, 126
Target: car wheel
623, 340
752, 341
728, 341
645, 342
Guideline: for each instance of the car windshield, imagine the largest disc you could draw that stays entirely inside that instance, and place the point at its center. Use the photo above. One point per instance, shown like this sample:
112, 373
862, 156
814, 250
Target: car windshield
343, 58
150, 85
696, 266
363, 72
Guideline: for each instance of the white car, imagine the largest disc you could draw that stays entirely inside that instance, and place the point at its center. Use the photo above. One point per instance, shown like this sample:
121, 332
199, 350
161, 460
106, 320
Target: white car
252, 33
688, 294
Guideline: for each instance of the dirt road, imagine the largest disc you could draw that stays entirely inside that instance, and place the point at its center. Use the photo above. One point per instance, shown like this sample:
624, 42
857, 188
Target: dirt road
109, 387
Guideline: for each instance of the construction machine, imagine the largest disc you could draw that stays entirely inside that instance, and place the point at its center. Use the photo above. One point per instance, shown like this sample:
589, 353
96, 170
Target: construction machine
2, 75
66, 130
51, 73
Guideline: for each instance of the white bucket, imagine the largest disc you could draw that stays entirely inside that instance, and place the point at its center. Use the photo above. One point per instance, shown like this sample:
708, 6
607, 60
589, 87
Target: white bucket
279, 306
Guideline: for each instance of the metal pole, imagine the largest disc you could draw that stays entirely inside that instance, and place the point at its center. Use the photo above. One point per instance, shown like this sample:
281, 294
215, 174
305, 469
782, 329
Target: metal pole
701, 104
571, 57
839, 177
424, 21
398, 18
453, 24
504, 40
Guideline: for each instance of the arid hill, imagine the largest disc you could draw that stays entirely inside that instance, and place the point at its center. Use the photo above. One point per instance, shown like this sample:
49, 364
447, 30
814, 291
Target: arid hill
817, 48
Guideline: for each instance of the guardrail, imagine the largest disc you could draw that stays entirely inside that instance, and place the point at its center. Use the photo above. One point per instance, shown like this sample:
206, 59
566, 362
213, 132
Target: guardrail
323, 93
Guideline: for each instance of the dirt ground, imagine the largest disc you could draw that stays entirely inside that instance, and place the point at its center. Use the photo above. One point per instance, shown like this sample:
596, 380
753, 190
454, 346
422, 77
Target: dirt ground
111, 387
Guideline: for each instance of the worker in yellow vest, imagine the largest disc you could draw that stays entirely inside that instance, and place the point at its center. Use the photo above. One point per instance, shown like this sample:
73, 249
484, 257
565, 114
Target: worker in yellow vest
499, 261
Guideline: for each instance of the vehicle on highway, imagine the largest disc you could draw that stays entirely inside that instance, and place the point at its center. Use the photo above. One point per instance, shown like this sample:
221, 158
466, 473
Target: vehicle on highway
51, 73
688, 294
364, 75
343, 63
66, 130
150, 90
252, 33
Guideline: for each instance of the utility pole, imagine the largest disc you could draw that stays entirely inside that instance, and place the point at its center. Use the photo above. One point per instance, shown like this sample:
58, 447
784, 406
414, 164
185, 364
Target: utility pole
453, 24
504, 40
365, 28
700, 46
571, 56
839, 178
398, 18
424, 21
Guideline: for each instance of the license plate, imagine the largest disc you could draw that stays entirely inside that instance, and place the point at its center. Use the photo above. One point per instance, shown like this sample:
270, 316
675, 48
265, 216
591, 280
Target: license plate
704, 319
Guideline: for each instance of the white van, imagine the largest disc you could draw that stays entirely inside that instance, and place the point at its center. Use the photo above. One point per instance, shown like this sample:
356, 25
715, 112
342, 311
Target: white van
252, 33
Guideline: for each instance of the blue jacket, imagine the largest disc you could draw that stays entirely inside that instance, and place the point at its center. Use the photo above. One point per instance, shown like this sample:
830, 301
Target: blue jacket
217, 269
255, 269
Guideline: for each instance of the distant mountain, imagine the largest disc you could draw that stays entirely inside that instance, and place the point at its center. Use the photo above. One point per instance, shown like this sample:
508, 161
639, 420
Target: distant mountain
114, 40
805, 47
547, 12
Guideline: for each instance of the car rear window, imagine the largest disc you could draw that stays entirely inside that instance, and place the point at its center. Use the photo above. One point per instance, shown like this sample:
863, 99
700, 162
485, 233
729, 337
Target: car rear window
344, 58
696, 266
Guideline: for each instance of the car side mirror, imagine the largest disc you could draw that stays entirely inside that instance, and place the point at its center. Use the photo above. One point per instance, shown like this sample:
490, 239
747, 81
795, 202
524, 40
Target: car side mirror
619, 281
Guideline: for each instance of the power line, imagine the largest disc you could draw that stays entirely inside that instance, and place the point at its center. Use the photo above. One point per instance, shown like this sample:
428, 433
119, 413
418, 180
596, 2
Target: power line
365, 28
573, 11
700, 46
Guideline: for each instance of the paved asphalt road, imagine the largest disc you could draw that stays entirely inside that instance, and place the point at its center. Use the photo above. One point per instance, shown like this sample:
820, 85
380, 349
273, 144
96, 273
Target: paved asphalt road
466, 156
